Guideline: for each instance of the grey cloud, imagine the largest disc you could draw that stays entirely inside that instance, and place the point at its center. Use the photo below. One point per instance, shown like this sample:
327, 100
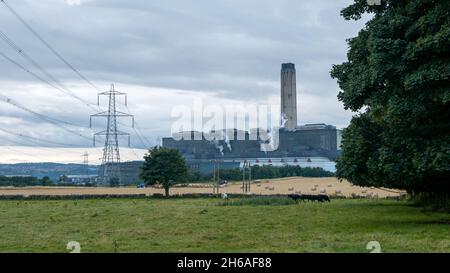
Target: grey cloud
223, 48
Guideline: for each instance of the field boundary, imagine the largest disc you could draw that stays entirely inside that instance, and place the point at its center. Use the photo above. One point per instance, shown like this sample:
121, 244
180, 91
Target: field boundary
157, 196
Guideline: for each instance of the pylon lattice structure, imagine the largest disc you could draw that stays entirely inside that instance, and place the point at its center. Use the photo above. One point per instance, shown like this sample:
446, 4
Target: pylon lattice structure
86, 163
246, 177
109, 171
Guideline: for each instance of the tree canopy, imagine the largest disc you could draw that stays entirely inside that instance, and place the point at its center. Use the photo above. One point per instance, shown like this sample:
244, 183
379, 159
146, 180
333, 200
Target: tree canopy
164, 166
397, 77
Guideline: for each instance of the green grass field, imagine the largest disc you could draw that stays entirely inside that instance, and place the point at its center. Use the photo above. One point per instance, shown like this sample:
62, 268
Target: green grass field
205, 225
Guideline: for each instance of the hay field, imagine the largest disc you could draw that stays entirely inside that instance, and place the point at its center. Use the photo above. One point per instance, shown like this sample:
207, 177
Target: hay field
300, 185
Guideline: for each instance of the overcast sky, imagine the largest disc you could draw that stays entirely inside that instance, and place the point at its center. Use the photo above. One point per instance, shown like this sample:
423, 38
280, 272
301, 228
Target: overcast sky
166, 53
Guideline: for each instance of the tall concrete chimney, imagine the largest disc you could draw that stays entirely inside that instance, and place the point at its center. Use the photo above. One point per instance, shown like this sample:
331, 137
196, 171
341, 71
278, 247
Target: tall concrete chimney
288, 96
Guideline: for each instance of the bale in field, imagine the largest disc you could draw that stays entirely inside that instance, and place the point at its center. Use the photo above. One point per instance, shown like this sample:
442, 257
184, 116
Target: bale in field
291, 189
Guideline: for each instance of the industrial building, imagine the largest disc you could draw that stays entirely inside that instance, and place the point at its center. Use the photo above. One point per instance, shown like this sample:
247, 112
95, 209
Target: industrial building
296, 143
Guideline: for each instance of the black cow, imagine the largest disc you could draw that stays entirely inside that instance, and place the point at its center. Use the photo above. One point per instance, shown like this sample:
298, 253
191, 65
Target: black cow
307, 197
295, 197
323, 198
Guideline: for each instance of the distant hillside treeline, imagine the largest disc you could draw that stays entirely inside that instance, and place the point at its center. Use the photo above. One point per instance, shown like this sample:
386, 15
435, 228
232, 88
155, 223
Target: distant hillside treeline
265, 172
258, 172
23, 181
41, 170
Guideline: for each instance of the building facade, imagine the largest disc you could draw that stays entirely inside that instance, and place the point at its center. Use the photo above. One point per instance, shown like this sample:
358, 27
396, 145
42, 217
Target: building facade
316, 140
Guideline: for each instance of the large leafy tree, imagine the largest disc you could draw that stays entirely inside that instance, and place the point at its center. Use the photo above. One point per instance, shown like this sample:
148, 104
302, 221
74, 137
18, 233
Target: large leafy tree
397, 77
164, 166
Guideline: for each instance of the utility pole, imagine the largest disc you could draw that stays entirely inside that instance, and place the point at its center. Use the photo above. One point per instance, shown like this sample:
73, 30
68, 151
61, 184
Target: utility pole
216, 176
246, 177
109, 171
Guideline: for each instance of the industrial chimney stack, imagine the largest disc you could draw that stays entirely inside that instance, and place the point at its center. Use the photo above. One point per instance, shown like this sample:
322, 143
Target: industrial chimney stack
288, 96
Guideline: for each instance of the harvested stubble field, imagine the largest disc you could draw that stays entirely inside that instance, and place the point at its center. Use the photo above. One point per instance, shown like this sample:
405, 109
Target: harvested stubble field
329, 186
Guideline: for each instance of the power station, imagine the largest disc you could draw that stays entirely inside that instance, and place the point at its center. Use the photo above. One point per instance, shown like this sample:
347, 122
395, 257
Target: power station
313, 145
310, 142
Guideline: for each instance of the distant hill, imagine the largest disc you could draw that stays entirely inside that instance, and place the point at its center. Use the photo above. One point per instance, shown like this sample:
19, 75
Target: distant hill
52, 170
129, 170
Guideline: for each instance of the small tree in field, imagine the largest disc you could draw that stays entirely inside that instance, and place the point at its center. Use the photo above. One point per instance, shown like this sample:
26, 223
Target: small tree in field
164, 166
114, 182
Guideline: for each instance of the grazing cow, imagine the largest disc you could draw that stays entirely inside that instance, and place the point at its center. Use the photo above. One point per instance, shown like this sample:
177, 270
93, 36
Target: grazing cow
323, 198
295, 197
320, 198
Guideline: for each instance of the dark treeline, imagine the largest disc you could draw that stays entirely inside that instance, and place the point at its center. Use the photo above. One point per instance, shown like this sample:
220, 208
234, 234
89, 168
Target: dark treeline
27, 181
265, 172
258, 172
23, 181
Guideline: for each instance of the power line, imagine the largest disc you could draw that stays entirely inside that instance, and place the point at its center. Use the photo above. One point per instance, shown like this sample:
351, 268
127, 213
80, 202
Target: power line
17, 151
137, 132
8, 100
40, 38
61, 87
22, 52
41, 116
48, 119
146, 144
140, 136
26, 145
140, 139
26, 70
37, 139
45, 149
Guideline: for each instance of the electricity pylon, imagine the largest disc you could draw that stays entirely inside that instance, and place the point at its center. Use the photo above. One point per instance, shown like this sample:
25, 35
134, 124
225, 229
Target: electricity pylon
86, 165
109, 171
